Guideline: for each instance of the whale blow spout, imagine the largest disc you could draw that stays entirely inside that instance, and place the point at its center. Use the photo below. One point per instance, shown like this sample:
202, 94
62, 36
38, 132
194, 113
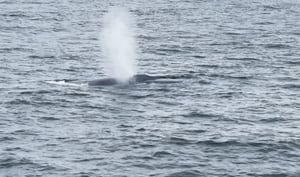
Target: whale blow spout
118, 44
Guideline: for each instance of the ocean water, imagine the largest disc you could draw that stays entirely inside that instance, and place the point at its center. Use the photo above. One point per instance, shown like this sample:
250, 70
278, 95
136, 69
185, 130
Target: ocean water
232, 110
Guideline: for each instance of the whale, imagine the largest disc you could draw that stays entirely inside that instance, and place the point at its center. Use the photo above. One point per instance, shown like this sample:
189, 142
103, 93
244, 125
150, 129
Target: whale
138, 78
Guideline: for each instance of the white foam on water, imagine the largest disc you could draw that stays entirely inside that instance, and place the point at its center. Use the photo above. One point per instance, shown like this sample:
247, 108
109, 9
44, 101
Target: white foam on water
64, 83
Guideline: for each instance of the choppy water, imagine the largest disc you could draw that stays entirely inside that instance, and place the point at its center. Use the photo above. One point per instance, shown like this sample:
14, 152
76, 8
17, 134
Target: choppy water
234, 110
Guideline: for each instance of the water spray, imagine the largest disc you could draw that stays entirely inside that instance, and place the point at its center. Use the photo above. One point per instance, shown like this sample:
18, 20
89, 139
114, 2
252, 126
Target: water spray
118, 44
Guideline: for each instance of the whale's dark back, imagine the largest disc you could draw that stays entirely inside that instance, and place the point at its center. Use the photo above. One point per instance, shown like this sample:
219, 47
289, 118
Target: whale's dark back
143, 78
107, 81
138, 78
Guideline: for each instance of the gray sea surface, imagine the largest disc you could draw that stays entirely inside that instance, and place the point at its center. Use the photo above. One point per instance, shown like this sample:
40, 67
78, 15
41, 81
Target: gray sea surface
233, 109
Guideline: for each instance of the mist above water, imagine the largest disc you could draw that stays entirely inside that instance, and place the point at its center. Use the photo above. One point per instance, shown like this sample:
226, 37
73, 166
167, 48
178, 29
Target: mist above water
118, 44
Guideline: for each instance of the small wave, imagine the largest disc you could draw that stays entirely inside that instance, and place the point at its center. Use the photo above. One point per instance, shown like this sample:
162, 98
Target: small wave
240, 77
147, 37
195, 131
204, 82
296, 33
89, 159
171, 50
84, 174
243, 59
144, 166
125, 126
219, 143
135, 157
9, 162
200, 115
199, 56
147, 145
19, 101
291, 86
186, 173
160, 154
7, 2
182, 122
287, 79
179, 141
233, 33
261, 145
80, 94
7, 138
272, 174
293, 62
49, 118
209, 66
272, 120
25, 132
231, 76
288, 144
16, 149
42, 57
159, 53
277, 46
264, 23
228, 94
15, 14
270, 7
35, 92
141, 129
141, 96
226, 43
12, 49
